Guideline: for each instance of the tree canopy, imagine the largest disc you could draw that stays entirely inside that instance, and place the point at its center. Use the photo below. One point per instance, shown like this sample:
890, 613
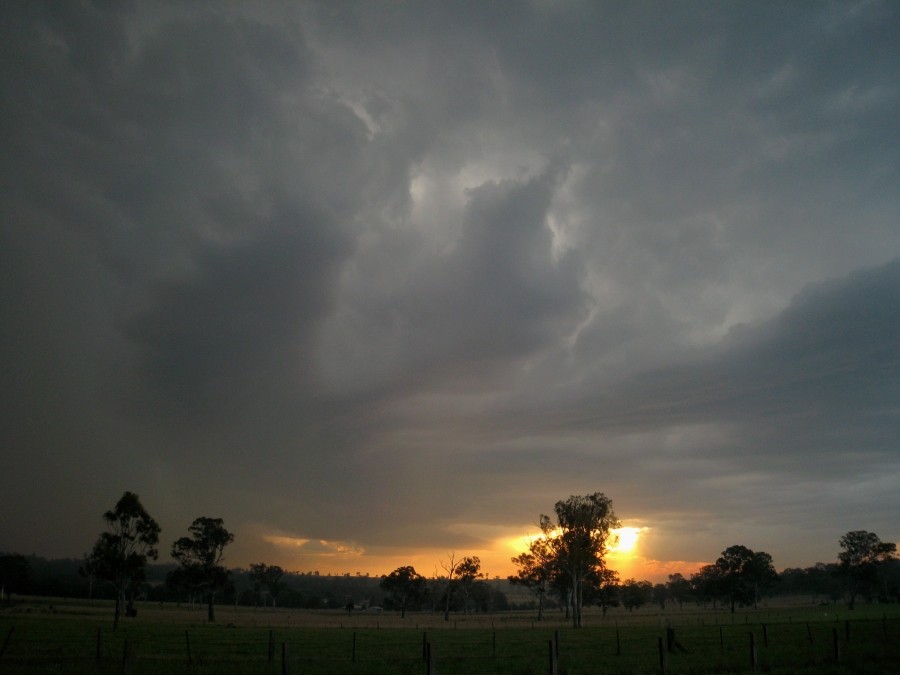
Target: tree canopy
404, 586
200, 555
861, 557
578, 538
120, 554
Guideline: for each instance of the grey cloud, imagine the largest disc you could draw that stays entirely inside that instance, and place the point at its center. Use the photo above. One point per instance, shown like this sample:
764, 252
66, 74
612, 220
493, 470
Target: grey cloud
450, 261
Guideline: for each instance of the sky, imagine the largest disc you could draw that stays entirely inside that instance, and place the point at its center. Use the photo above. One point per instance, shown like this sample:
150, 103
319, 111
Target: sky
377, 282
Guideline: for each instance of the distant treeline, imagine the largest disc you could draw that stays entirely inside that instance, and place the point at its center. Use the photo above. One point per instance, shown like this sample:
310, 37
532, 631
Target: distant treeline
64, 577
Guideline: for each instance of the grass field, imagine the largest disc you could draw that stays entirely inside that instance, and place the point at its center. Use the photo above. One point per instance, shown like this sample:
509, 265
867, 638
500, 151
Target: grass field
64, 636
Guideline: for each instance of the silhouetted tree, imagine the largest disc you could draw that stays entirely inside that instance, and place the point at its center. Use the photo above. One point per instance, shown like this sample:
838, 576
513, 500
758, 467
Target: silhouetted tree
636, 594
120, 554
679, 588
404, 586
200, 555
15, 574
604, 589
467, 571
706, 584
578, 541
536, 568
450, 567
660, 595
268, 577
744, 573
862, 555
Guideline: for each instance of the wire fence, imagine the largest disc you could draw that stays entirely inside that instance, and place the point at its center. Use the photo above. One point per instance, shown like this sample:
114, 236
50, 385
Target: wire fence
72, 646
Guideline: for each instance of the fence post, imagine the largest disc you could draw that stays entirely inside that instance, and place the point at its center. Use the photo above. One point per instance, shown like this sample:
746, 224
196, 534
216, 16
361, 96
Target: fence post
663, 662
752, 651
187, 641
126, 659
809, 632
429, 659
353, 653
837, 646
9, 635
99, 644
271, 647
554, 666
494, 646
721, 639
285, 666
556, 643
765, 636
618, 642
425, 645
847, 630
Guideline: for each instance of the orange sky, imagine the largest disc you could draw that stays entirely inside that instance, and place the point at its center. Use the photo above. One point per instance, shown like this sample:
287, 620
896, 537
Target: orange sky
628, 557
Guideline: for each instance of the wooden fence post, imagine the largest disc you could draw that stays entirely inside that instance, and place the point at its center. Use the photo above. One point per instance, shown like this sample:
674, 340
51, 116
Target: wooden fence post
663, 661
556, 643
494, 646
721, 639
809, 632
554, 665
353, 653
618, 642
126, 659
285, 666
425, 645
837, 646
187, 641
271, 647
847, 630
752, 651
429, 659
765, 636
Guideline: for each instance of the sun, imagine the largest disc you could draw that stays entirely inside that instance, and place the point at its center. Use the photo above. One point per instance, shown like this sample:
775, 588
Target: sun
624, 539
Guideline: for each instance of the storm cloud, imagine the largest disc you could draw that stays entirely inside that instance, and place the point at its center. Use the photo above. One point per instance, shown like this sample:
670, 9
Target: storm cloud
373, 281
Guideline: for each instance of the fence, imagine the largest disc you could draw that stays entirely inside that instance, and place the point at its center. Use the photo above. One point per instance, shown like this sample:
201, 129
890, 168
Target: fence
41, 644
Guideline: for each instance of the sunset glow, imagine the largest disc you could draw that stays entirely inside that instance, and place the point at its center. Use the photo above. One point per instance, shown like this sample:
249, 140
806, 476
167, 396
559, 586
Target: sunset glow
624, 540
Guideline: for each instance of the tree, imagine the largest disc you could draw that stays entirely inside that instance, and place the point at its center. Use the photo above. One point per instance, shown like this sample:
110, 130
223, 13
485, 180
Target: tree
451, 566
578, 541
467, 571
605, 589
862, 557
200, 555
707, 584
536, 570
404, 586
679, 588
120, 554
15, 574
661, 595
636, 594
268, 577
743, 573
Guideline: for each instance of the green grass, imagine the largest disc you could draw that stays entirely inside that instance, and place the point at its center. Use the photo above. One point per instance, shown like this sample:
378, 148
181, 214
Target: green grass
63, 638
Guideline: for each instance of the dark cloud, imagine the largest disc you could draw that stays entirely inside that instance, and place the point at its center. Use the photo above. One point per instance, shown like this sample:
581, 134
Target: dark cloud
376, 277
